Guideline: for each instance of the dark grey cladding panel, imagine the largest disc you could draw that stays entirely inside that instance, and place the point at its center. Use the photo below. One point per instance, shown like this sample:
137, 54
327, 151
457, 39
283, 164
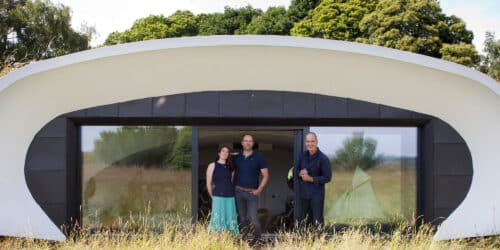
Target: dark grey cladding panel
396, 113
427, 171
299, 105
451, 190
235, 103
361, 109
452, 159
444, 133
47, 153
47, 186
136, 108
417, 115
331, 107
56, 212
77, 114
55, 128
169, 106
266, 104
103, 111
203, 104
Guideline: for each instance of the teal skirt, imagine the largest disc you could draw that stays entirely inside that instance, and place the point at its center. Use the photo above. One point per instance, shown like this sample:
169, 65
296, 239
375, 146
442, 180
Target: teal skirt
223, 216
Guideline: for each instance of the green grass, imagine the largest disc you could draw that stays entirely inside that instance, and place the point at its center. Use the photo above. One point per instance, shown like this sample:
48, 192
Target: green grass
120, 193
394, 190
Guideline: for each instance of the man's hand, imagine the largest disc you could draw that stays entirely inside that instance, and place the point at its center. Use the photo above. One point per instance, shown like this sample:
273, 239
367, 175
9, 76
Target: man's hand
305, 176
256, 192
303, 172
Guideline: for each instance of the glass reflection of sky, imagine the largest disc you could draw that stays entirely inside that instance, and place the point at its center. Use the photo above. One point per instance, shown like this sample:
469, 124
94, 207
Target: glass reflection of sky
92, 133
391, 141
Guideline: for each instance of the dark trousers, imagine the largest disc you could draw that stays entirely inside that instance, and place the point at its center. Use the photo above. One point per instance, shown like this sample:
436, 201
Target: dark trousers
311, 211
247, 205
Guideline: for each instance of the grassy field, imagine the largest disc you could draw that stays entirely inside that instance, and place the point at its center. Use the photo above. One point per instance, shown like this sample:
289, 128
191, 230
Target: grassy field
118, 194
394, 189
179, 235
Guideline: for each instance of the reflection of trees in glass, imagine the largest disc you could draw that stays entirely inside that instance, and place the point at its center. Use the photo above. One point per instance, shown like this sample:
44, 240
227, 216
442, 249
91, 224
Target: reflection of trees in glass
180, 157
150, 146
358, 151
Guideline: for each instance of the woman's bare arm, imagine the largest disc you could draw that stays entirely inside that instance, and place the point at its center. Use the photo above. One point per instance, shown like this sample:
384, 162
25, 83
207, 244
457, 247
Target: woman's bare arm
210, 172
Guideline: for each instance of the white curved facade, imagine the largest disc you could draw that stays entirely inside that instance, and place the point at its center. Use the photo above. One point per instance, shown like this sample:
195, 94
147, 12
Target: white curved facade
467, 100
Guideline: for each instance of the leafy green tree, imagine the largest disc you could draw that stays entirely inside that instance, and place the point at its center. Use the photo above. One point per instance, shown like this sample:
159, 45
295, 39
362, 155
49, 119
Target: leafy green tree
335, 19
299, 9
212, 24
34, 30
462, 53
181, 153
357, 151
418, 26
181, 23
136, 145
235, 21
148, 28
274, 21
491, 61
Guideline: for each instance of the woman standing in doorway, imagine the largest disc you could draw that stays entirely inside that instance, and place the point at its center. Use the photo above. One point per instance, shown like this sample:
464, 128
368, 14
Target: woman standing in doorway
220, 187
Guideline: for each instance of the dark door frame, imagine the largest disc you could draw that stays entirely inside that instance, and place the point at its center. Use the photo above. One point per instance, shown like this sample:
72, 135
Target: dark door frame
298, 145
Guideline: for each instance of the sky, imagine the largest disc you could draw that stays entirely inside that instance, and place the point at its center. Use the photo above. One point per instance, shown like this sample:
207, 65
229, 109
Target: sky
118, 15
393, 141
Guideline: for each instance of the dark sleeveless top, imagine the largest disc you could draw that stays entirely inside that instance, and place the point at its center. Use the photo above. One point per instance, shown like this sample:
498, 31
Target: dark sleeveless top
221, 178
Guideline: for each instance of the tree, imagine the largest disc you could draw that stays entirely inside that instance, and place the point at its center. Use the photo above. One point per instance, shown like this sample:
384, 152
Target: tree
274, 21
335, 19
230, 22
180, 23
136, 145
357, 151
235, 21
212, 24
181, 153
298, 9
34, 30
418, 26
491, 61
462, 53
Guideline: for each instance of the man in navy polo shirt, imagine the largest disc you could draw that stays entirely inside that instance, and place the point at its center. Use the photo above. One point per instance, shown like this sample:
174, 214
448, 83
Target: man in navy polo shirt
250, 165
314, 171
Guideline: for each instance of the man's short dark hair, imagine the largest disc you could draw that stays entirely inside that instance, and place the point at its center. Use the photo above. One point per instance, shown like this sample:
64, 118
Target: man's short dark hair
247, 134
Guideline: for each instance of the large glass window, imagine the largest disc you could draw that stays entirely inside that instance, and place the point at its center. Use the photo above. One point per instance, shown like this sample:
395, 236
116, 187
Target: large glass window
135, 172
374, 174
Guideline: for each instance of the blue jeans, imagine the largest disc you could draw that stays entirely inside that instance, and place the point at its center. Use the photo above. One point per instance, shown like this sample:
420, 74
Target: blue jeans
312, 210
247, 205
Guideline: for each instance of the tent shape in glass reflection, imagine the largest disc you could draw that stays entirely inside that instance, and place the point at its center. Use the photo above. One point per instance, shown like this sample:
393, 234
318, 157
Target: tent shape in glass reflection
358, 203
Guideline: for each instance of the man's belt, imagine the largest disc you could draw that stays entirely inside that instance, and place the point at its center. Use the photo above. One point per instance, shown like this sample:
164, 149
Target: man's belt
244, 189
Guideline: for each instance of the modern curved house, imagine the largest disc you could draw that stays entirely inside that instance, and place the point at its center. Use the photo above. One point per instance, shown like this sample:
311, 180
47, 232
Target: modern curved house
432, 125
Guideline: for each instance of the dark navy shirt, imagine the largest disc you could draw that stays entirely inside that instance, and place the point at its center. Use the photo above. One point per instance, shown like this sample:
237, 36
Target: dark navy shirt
248, 169
318, 167
221, 178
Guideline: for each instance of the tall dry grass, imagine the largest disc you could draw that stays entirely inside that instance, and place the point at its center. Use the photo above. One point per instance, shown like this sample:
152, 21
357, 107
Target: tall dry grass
181, 235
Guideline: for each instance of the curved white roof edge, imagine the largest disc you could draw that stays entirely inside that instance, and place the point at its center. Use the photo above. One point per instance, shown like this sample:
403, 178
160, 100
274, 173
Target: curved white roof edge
249, 40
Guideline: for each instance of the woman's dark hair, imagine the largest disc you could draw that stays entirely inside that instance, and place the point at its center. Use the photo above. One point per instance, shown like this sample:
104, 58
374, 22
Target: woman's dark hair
229, 162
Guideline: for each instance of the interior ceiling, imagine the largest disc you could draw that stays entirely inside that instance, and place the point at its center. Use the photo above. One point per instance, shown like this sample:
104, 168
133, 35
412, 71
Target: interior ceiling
277, 138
